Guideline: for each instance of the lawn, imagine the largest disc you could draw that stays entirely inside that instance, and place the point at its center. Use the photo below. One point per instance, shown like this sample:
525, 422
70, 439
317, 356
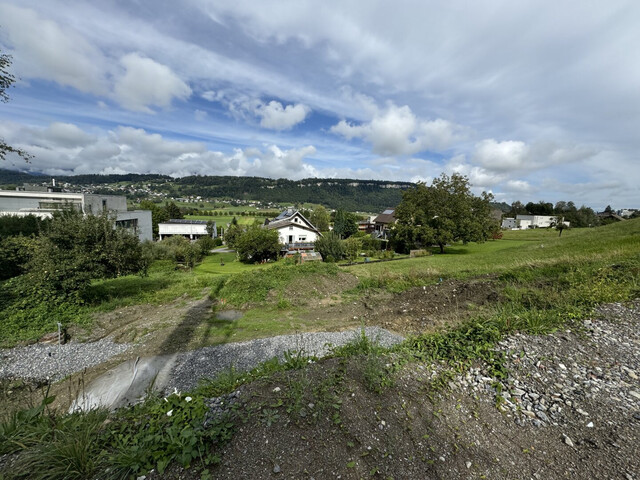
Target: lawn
517, 249
222, 221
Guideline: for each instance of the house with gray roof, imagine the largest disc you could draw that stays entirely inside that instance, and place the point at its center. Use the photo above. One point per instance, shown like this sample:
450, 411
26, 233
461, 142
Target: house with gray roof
294, 230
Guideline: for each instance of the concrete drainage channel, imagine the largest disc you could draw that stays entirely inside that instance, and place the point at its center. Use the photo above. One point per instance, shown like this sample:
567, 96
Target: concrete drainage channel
128, 382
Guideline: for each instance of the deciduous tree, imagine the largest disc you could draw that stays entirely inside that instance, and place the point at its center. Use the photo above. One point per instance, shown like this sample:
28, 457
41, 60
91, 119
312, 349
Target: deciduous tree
258, 244
441, 214
6, 81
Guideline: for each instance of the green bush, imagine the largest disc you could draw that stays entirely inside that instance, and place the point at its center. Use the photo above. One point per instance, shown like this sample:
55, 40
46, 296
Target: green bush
330, 247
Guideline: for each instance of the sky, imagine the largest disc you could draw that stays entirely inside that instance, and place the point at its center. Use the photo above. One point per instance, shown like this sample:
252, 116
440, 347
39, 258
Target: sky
531, 100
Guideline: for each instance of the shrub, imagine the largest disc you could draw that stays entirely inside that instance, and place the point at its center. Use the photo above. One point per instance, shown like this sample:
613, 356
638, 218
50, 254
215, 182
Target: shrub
330, 247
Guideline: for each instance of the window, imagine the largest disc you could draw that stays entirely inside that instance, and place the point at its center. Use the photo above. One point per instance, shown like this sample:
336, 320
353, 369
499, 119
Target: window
302, 238
290, 228
104, 204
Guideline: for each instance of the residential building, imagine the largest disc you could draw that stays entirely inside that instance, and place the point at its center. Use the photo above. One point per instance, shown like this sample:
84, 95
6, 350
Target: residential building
523, 222
295, 231
44, 203
384, 222
191, 229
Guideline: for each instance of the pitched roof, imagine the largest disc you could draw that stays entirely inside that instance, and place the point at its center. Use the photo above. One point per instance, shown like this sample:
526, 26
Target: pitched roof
287, 218
386, 217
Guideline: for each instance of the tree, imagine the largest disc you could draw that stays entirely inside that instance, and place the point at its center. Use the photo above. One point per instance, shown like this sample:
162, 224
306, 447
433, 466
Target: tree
320, 218
352, 247
211, 228
76, 249
444, 213
330, 247
345, 224
258, 244
173, 211
6, 81
232, 234
158, 214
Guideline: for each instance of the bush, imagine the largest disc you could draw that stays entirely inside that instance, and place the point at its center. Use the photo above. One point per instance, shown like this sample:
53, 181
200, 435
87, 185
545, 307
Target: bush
206, 244
258, 245
15, 253
330, 247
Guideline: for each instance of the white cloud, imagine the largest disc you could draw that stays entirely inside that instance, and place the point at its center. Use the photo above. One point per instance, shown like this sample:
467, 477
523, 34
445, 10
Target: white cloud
43, 49
274, 116
397, 131
501, 156
200, 115
67, 149
146, 83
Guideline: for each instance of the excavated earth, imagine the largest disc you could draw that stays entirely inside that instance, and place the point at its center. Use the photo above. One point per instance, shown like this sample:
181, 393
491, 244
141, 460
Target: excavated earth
569, 409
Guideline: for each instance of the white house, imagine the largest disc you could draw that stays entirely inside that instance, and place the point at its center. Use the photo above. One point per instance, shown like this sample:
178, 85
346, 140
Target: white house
295, 231
522, 222
44, 203
191, 229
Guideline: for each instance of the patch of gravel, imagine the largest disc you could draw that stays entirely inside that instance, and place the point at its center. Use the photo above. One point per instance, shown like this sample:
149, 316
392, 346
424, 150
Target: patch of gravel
570, 376
46, 362
208, 362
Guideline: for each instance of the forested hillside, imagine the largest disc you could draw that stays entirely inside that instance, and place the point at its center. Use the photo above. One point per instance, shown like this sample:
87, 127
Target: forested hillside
348, 194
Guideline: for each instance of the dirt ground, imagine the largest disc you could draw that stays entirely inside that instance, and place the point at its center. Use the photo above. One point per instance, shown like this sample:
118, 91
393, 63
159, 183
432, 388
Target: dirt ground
415, 430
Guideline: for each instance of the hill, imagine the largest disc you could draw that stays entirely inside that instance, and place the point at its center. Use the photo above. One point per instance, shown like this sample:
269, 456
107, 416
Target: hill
349, 194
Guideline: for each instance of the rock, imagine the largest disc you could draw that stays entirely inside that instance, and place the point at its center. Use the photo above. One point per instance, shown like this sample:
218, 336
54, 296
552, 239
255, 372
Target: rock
568, 441
542, 416
582, 412
468, 464
276, 468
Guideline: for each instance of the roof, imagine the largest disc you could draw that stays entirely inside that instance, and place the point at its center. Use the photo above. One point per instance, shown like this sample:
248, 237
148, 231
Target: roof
188, 222
286, 218
386, 217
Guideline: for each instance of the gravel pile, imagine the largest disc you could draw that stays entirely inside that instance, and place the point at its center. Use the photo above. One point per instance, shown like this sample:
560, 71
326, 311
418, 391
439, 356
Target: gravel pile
569, 377
208, 362
42, 362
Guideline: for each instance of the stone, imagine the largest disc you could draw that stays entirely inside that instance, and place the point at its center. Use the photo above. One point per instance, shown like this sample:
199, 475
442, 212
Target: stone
468, 464
568, 441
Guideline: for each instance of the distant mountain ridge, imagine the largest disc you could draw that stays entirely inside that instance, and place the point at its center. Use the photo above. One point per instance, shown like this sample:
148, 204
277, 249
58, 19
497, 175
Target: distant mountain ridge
349, 194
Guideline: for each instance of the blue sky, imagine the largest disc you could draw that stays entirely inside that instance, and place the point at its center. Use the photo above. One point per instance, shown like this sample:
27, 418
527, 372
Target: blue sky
532, 100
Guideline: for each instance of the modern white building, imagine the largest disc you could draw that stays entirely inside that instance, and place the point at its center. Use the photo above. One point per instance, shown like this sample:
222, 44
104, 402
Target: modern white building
295, 231
522, 222
44, 203
191, 229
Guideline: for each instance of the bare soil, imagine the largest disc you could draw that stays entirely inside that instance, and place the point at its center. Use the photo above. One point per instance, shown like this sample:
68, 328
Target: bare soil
338, 427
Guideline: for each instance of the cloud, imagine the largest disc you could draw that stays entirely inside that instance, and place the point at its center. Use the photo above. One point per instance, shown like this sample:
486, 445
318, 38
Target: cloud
501, 156
515, 156
200, 115
397, 131
63, 149
43, 49
274, 116
146, 83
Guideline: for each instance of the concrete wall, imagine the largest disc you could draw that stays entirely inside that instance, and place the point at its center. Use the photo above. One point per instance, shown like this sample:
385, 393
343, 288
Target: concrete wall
95, 204
142, 220
13, 201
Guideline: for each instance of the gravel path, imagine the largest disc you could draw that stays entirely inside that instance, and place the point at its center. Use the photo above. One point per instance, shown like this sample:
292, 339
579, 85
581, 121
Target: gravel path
41, 362
207, 362
54, 362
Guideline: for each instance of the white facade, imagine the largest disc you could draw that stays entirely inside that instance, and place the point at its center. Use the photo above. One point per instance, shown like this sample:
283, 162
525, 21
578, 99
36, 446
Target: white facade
191, 229
294, 230
44, 204
522, 222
